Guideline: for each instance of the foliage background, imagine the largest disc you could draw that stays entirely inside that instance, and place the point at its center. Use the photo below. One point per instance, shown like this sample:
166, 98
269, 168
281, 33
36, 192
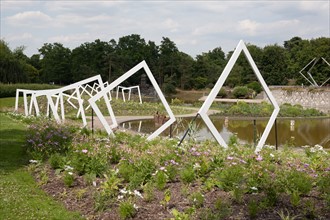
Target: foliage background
55, 63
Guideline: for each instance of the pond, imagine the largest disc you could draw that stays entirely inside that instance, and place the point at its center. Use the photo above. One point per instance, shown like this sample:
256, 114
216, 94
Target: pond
298, 131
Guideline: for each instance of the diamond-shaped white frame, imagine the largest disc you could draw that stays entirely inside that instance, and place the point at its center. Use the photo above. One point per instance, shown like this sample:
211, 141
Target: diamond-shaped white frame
209, 100
114, 84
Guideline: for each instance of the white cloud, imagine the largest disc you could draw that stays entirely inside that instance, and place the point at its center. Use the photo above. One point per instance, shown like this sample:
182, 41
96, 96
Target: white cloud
195, 26
24, 36
70, 38
249, 27
15, 5
28, 18
171, 25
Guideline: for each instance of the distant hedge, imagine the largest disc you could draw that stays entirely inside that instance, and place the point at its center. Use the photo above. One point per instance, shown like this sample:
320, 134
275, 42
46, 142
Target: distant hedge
9, 90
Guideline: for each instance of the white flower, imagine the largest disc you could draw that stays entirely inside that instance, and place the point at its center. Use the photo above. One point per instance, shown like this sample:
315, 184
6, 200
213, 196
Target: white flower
123, 191
135, 206
66, 167
272, 155
33, 161
137, 193
70, 173
196, 166
84, 151
120, 197
94, 183
254, 188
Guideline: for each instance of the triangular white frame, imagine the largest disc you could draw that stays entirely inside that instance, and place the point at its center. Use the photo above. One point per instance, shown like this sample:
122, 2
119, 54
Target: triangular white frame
114, 84
209, 100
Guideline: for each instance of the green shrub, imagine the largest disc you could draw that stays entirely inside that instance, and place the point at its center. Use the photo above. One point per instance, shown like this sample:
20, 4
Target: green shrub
160, 180
85, 162
230, 178
299, 181
187, 174
241, 92
47, 137
255, 86
197, 199
56, 161
126, 210
68, 179
222, 93
9, 90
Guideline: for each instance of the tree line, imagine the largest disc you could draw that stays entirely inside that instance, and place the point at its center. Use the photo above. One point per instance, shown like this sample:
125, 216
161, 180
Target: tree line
279, 65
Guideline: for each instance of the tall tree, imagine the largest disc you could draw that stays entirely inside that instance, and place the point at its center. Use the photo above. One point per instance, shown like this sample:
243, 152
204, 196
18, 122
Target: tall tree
208, 68
274, 65
168, 61
12, 64
56, 63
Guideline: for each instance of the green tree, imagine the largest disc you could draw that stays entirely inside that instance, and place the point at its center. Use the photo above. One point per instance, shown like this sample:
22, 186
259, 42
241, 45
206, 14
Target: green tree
90, 59
209, 65
274, 65
168, 61
12, 64
56, 63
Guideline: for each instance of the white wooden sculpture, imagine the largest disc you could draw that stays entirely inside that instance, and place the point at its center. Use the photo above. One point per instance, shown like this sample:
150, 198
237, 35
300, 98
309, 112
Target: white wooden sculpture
59, 95
209, 100
114, 84
122, 88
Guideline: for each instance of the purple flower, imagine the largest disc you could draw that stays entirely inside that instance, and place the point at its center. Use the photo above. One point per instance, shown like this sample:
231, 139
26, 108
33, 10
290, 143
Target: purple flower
230, 158
259, 158
242, 161
173, 162
84, 151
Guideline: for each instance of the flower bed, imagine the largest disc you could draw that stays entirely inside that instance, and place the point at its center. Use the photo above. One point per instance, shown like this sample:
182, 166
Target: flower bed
128, 177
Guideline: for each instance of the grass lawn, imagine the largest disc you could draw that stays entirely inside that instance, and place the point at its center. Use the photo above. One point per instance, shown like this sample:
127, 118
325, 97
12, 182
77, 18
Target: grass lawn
20, 197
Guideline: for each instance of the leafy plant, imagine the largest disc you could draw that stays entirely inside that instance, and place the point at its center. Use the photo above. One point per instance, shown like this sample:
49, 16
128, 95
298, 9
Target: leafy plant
241, 92
230, 177
148, 190
47, 137
126, 210
56, 161
68, 178
160, 180
286, 216
179, 215
187, 174
253, 209
197, 199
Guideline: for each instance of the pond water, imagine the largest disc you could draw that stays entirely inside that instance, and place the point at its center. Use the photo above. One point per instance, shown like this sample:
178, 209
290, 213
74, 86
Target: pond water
299, 131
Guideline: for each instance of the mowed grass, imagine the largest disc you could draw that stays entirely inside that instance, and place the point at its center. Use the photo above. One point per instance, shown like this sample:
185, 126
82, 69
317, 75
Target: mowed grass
8, 104
20, 197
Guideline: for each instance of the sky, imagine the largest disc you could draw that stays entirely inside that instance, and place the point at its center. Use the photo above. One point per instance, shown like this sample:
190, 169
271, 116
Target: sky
194, 26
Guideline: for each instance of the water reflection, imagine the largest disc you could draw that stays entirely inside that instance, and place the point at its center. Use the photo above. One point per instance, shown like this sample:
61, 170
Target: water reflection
299, 131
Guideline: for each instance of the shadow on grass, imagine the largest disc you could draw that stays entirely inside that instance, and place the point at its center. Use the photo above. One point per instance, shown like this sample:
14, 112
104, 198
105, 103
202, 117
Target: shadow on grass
12, 152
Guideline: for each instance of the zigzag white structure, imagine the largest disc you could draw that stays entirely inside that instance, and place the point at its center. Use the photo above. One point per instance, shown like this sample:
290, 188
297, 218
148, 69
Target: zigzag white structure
142, 65
209, 100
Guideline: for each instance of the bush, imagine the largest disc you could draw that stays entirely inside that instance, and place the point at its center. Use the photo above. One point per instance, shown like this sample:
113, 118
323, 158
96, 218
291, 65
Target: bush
46, 138
126, 210
222, 93
9, 90
255, 86
241, 92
